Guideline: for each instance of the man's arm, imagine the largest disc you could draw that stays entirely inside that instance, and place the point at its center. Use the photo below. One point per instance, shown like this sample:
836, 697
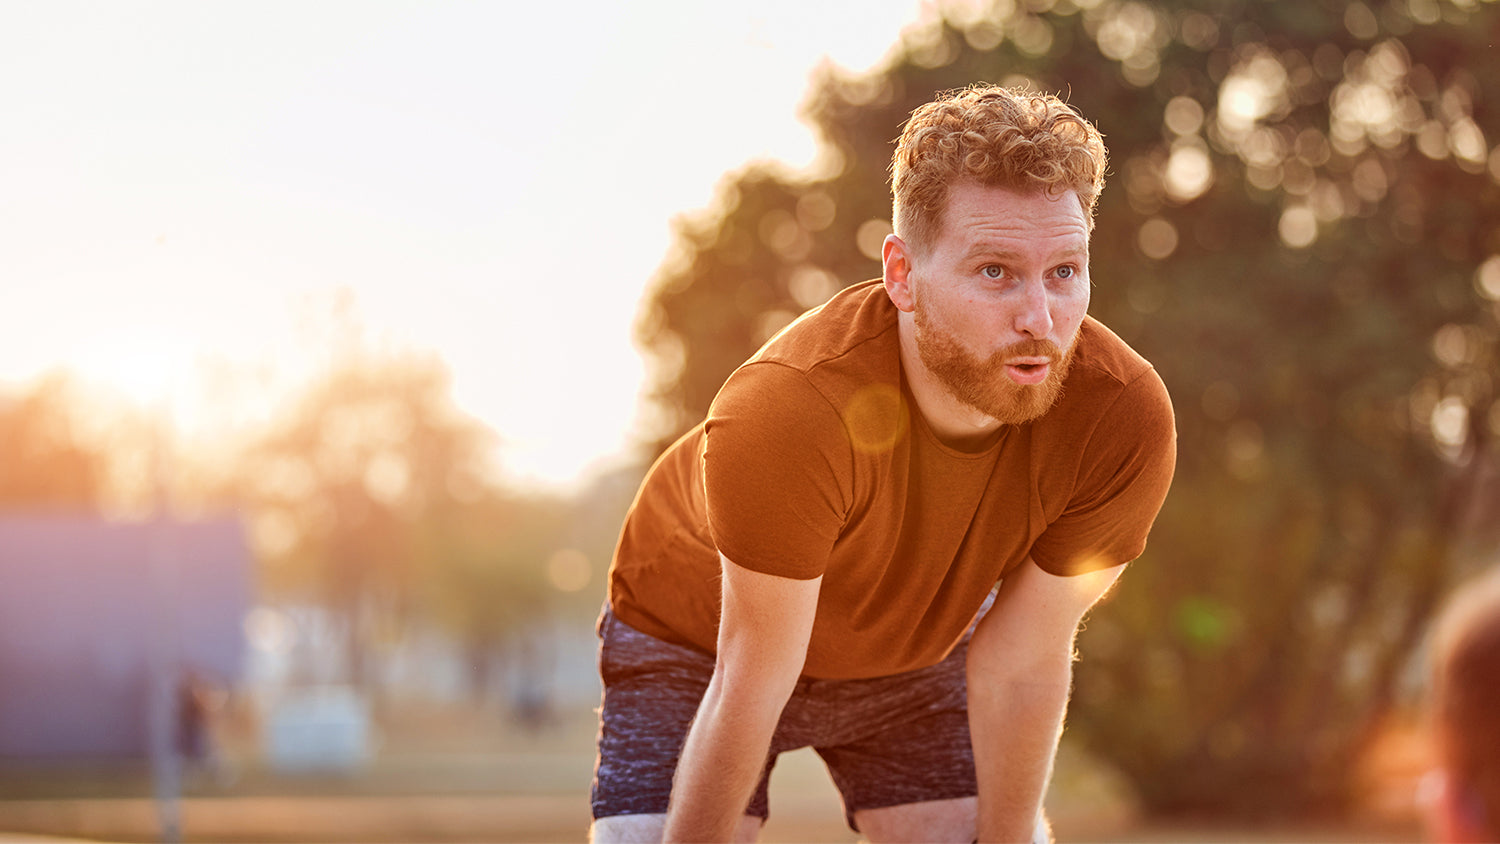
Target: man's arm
764, 626
1020, 669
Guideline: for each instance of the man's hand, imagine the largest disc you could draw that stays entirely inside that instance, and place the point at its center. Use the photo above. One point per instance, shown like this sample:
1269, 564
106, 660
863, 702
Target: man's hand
1020, 670
764, 626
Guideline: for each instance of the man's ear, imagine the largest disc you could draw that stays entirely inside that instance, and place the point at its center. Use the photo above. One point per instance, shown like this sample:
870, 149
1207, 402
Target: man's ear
895, 260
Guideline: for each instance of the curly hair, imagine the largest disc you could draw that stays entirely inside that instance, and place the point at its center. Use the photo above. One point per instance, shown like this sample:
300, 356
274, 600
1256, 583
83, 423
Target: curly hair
993, 136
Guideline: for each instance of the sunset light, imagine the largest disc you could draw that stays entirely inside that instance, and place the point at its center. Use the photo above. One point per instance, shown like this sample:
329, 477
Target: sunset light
196, 184
410, 410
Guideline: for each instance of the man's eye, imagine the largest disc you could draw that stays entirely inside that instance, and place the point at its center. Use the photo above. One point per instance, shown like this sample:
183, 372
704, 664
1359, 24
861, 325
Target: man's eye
1066, 272
993, 271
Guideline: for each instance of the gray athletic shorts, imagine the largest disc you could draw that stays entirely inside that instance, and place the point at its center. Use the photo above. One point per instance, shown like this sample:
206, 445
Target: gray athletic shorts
886, 741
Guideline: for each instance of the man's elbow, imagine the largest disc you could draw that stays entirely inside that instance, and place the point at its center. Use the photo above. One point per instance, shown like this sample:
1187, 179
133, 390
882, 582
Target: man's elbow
1049, 670
750, 697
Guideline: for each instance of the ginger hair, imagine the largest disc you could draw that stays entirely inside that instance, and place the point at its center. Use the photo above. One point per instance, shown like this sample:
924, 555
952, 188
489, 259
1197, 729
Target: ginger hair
1465, 695
991, 136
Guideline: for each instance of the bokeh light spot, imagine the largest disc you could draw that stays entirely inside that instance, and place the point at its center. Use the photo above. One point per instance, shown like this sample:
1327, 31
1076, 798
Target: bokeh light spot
569, 570
811, 286
1032, 36
1189, 171
1245, 450
1146, 296
876, 418
1183, 115
1250, 93
816, 210
870, 236
1221, 401
1203, 622
1361, 22
1450, 422
1450, 345
1298, 227
1157, 238
1487, 279
267, 629
770, 322
1466, 140
1369, 180
1199, 31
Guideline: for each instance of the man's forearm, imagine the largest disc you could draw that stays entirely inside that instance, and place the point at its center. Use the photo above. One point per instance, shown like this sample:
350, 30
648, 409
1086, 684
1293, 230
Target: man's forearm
721, 764
765, 622
1015, 724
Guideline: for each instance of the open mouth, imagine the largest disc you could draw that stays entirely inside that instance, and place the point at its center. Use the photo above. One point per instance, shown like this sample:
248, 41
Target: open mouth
1028, 372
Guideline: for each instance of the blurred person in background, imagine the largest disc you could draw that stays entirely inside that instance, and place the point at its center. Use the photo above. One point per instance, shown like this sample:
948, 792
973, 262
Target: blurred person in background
816, 563
1465, 711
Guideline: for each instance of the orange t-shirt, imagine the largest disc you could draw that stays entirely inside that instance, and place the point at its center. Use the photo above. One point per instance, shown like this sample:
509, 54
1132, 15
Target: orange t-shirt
813, 462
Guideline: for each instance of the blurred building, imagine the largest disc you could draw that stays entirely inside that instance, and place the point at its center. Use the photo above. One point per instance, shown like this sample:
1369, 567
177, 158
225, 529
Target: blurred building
89, 610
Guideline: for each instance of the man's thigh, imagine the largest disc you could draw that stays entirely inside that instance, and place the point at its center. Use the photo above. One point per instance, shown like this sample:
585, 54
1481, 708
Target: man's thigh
651, 694
900, 741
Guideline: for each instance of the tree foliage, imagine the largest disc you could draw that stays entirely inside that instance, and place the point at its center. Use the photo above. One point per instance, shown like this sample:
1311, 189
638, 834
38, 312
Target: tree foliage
1301, 233
45, 464
370, 496
368, 493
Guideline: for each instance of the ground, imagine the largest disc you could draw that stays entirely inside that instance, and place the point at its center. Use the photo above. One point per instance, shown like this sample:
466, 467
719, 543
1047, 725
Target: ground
466, 773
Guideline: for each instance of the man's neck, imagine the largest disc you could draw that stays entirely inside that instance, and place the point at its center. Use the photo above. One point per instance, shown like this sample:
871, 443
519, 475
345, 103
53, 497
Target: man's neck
951, 420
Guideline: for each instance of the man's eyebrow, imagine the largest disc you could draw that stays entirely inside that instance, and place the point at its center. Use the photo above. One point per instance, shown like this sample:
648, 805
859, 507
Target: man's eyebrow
982, 250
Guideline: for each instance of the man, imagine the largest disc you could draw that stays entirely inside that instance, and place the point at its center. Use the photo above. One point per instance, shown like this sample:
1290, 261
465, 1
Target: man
1465, 712
806, 567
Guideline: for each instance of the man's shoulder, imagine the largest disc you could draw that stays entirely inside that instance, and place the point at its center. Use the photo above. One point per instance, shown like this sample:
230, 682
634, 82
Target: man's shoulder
1109, 378
817, 380
1102, 356
856, 325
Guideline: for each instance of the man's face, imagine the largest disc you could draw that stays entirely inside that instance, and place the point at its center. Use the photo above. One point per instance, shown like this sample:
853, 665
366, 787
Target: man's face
999, 296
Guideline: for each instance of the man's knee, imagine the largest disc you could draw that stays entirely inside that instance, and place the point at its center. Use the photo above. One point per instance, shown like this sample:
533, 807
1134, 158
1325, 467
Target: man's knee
627, 829
933, 820
647, 829
953, 820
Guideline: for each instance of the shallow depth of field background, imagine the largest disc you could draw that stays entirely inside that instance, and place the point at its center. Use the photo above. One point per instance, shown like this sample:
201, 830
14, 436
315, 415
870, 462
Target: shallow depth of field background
335, 339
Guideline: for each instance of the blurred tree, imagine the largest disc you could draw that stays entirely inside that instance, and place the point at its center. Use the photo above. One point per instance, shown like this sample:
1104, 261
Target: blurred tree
44, 464
486, 576
1301, 233
370, 497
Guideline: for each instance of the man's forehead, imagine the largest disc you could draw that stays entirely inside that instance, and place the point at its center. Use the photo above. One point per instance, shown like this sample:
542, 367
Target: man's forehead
1017, 234
974, 194
986, 204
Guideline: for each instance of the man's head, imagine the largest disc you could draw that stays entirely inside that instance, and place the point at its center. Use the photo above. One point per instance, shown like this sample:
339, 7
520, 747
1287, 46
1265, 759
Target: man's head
995, 137
1465, 711
997, 299
994, 196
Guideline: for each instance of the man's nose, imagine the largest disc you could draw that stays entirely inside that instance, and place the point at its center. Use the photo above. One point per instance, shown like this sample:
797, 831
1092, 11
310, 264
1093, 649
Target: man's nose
1035, 315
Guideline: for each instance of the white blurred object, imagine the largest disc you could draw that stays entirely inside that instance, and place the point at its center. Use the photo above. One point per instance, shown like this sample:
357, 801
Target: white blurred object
324, 728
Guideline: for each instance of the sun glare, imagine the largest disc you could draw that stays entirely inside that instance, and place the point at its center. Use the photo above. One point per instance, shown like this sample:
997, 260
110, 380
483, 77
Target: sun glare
147, 372
183, 235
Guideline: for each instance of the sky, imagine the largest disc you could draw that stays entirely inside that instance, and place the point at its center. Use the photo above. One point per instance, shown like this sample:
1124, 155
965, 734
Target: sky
190, 191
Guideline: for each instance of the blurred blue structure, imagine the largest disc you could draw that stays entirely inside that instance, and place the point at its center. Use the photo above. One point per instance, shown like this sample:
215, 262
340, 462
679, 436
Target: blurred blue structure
90, 609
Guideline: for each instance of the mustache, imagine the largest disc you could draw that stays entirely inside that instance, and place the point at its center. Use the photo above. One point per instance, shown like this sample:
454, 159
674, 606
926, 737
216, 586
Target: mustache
1035, 348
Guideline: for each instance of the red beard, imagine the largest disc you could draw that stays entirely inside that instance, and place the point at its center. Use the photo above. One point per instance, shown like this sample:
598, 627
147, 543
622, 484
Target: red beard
983, 383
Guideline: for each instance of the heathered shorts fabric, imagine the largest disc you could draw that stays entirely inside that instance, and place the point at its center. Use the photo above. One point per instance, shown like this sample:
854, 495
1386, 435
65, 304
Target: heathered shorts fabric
886, 741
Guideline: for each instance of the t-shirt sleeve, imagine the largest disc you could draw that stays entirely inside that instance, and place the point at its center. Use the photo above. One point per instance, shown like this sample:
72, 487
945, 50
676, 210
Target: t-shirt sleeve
1126, 469
774, 453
